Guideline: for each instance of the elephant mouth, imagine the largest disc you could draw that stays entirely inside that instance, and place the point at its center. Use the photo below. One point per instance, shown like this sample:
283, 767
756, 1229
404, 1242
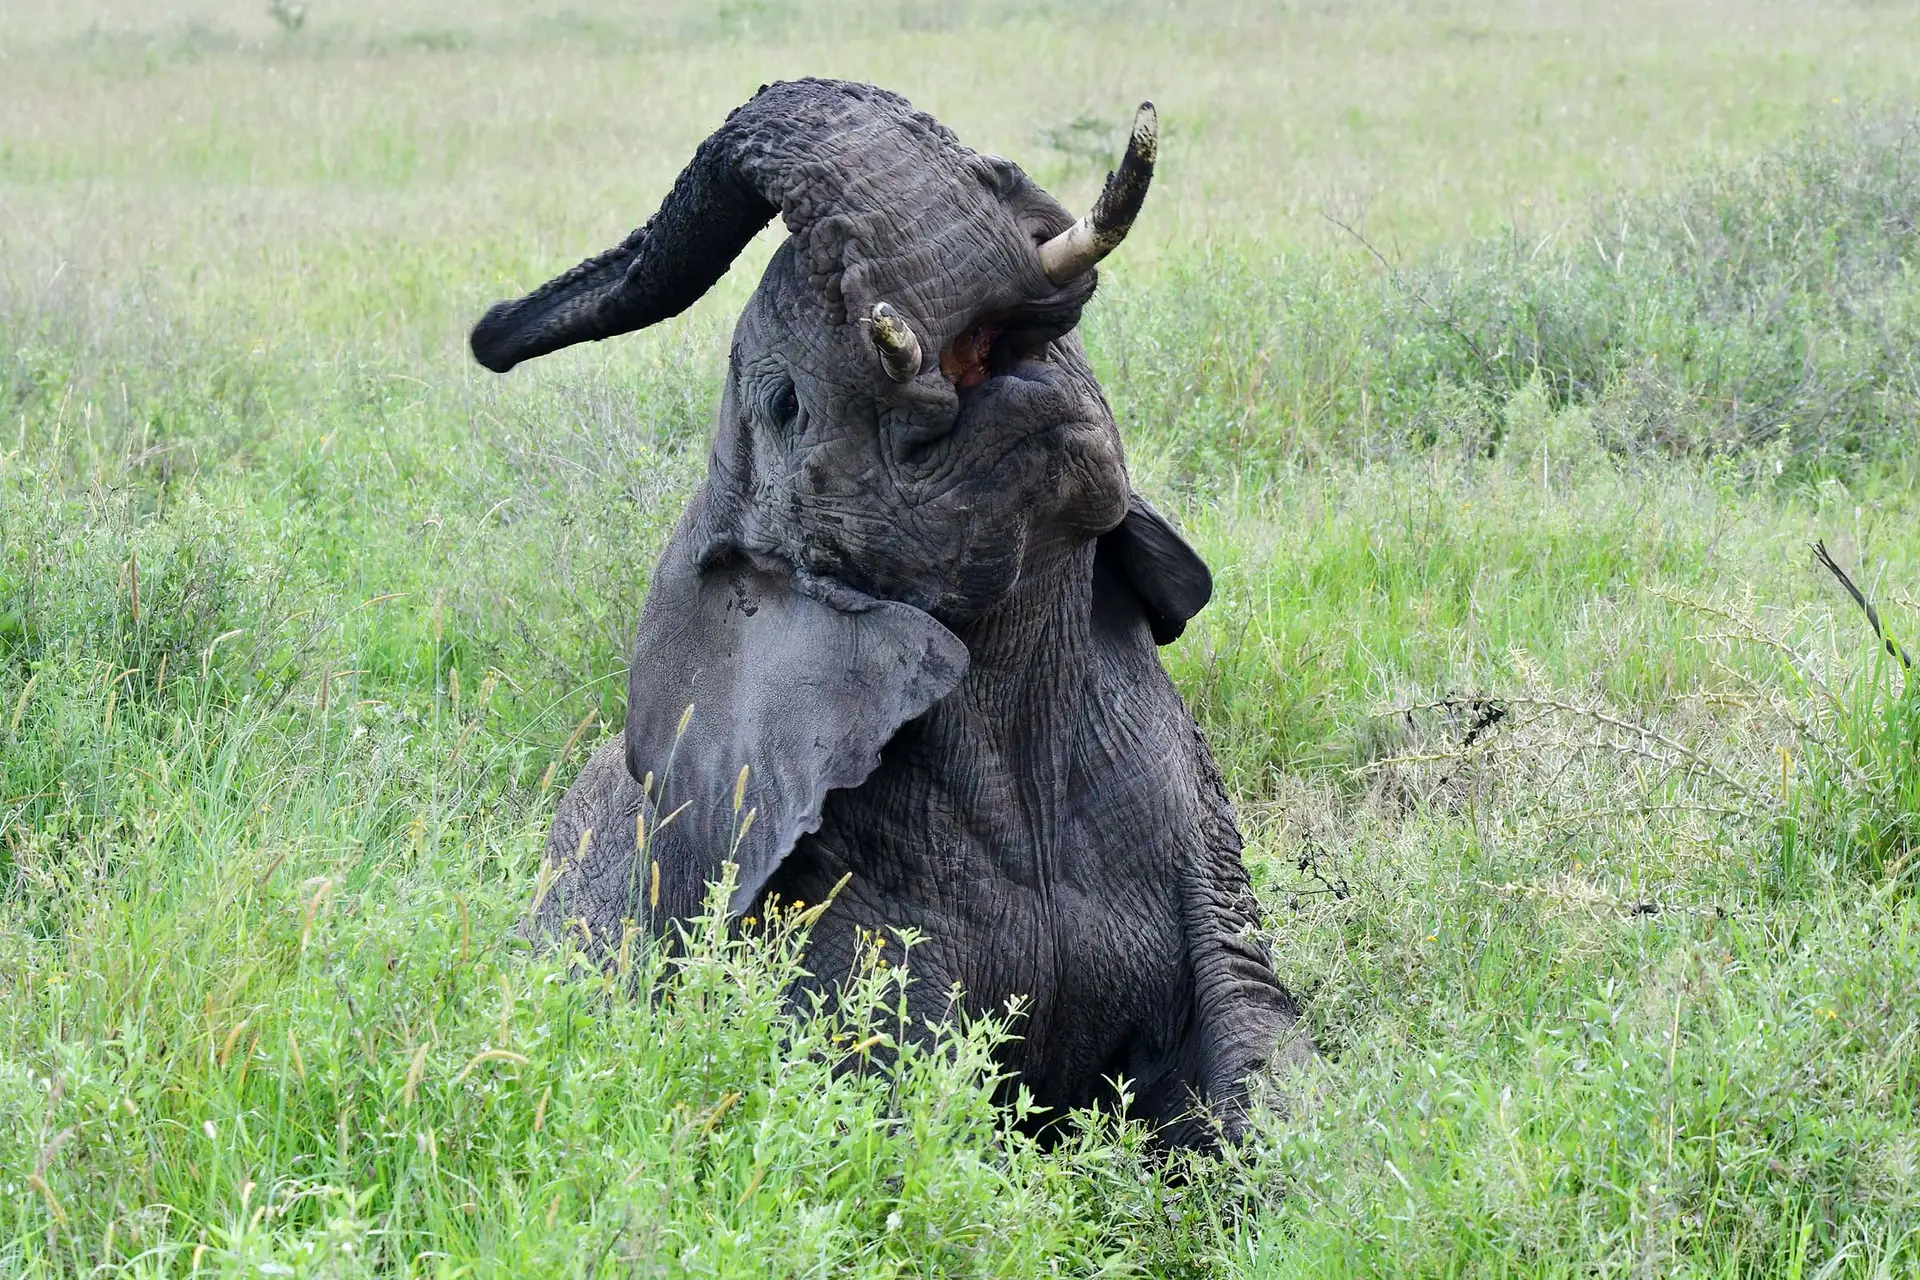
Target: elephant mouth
1014, 343
1012, 385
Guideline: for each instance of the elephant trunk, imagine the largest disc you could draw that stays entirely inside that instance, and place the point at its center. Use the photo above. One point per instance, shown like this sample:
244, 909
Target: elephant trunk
787, 151
754, 166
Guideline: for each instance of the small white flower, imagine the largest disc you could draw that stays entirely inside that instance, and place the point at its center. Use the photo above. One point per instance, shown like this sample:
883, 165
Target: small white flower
893, 1221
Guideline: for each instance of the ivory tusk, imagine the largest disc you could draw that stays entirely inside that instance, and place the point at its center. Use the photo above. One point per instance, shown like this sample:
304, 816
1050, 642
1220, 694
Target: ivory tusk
896, 342
1074, 252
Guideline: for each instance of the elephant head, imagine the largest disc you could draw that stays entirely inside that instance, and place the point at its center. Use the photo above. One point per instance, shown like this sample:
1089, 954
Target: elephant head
909, 429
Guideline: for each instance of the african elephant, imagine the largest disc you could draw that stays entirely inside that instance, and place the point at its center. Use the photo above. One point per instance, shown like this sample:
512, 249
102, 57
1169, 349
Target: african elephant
918, 601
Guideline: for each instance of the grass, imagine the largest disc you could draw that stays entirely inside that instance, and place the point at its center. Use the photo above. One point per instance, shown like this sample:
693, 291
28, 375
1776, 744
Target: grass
1584, 805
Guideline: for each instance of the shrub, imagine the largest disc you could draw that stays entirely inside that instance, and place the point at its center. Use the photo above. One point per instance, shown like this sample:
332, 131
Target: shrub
1774, 303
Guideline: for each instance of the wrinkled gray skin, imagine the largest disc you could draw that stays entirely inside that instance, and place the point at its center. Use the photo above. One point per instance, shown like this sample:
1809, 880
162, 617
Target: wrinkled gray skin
923, 615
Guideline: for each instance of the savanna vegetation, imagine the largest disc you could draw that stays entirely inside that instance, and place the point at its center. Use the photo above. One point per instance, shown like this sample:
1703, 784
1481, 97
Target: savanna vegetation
1504, 359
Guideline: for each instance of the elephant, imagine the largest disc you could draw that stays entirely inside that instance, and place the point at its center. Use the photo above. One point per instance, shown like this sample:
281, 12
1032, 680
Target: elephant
909, 621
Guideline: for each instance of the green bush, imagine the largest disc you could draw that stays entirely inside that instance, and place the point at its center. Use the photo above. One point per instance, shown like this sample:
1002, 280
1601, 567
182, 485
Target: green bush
1777, 299
1775, 303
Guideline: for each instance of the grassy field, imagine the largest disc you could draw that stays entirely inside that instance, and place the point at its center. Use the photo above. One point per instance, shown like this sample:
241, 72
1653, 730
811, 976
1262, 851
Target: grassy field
1504, 360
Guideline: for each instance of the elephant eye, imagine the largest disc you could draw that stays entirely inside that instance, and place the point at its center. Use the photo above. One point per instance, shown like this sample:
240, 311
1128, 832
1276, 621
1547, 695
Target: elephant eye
784, 404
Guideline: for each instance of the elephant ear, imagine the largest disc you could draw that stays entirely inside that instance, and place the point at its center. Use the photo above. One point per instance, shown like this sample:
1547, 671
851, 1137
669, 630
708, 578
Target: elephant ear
801, 684
1171, 580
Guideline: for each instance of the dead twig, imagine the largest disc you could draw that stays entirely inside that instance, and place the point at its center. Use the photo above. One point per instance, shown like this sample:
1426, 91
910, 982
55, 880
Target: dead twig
1592, 897
1894, 650
1626, 737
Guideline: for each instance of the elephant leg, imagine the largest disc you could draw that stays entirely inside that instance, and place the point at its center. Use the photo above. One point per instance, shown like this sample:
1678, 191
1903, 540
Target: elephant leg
591, 883
1241, 1018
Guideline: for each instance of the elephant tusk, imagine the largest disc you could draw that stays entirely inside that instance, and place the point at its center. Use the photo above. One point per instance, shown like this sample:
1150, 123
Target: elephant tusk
896, 342
1073, 252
